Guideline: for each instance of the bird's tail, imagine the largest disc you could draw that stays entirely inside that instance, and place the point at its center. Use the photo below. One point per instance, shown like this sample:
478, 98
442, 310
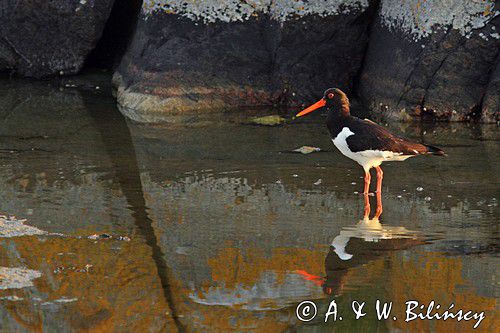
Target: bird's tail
435, 151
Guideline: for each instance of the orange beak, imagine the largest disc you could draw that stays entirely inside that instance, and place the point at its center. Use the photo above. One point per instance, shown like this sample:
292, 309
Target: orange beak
317, 105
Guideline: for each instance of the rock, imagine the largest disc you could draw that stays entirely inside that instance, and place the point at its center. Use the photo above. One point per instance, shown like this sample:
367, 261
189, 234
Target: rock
12, 227
43, 38
307, 150
101, 236
491, 101
430, 58
17, 277
12, 298
272, 120
215, 55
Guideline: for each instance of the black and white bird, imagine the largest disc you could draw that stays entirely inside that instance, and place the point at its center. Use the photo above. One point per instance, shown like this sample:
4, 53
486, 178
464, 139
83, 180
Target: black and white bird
364, 141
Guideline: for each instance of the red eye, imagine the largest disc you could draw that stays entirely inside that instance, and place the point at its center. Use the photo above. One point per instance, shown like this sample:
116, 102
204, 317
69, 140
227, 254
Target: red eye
330, 95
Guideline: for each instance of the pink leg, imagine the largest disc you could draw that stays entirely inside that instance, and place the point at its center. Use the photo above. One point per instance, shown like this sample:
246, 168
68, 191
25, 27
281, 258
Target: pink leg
367, 182
380, 176
379, 210
366, 214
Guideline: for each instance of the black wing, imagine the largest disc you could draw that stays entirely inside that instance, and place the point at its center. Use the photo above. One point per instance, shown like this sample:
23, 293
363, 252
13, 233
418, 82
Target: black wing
371, 136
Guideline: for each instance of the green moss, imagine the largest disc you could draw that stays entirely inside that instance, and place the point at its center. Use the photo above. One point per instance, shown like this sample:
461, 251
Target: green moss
273, 120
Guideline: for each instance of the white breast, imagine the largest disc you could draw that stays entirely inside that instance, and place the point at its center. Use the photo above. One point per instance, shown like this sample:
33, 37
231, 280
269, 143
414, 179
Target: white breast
366, 158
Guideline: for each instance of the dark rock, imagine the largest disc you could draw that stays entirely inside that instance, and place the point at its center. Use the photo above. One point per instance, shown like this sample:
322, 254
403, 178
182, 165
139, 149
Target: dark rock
41, 38
430, 59
491, 102
193, 57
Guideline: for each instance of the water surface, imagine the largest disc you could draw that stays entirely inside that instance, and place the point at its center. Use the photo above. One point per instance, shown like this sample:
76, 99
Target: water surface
212, 225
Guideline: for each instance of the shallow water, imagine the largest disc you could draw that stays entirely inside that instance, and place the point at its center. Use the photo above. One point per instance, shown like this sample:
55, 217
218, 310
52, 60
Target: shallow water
215, 226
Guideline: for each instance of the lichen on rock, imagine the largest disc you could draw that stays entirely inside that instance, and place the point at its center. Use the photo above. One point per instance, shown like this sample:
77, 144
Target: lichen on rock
420, 18
231, 54
432, 60
210, 11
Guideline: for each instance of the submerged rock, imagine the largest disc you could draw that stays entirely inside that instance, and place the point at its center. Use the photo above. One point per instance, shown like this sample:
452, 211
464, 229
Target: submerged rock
12, 227
42, 38
101, 236
432, 59
16, 278
214, 55
272, 120
306, 150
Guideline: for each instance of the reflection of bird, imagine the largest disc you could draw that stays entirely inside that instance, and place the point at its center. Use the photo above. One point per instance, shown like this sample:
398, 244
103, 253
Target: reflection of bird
364, 141
370, 230
367, 240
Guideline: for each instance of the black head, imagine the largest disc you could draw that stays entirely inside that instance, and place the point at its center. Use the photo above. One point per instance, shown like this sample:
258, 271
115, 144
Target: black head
334, 99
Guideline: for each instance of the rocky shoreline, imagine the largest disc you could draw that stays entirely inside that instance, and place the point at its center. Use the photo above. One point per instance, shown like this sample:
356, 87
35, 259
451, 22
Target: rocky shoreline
426, 60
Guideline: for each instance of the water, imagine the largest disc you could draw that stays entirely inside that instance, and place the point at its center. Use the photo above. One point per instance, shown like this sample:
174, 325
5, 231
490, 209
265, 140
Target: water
215, 227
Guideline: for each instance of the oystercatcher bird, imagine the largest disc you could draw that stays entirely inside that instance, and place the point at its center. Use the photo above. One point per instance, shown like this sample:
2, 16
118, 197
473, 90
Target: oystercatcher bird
364, 141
